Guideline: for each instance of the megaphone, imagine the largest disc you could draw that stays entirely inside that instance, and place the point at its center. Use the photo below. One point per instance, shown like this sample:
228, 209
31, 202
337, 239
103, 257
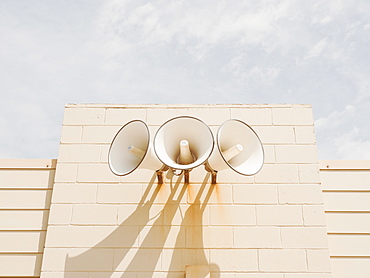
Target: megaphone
183, 143
131, 148
238, 147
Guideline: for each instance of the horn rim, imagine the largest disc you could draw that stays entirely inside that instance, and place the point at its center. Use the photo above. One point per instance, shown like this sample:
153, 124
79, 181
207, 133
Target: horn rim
219, 148
191, 117
114, 138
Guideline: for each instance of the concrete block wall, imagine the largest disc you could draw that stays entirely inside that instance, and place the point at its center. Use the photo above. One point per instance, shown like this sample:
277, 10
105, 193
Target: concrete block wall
268, 225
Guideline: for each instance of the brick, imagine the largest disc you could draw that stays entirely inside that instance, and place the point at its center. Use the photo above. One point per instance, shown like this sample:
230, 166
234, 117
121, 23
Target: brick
131, 260
287, 260
211, 116
213, 237
306, 237
177, 259
69, 236
141, 215
66, 172
71, 134
230, 176
235, 259
119, 193
79, 153
309, 173
194, 271
195, 215
232, 215
218, 194
300, 194
121, 116
259, 275
115, 236
160, 116
54, 259
305, 135
60, 214
74, 193
279, 215
95, 173
275, 173
63, 274
313, 215
25, 199
94, 259
275, 134
94, 214
255, 194
308, 275
257, 237
318, 261
253, 116
83, 116
292, 116
99, 134
296, 154
175, 237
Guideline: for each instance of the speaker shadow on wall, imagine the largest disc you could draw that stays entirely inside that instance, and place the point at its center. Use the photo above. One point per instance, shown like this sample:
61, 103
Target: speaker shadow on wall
144, 259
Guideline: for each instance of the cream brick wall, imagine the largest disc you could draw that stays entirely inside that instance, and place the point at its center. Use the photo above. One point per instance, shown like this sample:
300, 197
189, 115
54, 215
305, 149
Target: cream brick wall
268, 225
25, 192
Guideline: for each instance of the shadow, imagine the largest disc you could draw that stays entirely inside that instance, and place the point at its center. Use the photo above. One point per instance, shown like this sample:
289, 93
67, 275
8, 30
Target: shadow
192, 227
119, 245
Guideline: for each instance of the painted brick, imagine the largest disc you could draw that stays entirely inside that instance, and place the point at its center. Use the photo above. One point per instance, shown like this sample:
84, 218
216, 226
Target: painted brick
230, 176
27, 178
66, 172
99, 134
313, 215
60, 214
63, 274
22, 241
213, 237
279, 215
71, 134
119, 193
255, 194
79, 153
308, 275
84, 116
275, 173
253, 116
235, 259
94, 259
160, 116
300, 194
211, 116
275, 134
177, 259
296, 154
288, 260
309, 173
305, 135
269, 152
95, 173
23, 220
232, 215
67, 236
74, 193
121, 116
175, 237
115, 236
194, 271
318, 261
307, 237
292, 116
131, 260
141, 215
259, 275
54, 259
94, 214
104, 154
257, 237
218, 194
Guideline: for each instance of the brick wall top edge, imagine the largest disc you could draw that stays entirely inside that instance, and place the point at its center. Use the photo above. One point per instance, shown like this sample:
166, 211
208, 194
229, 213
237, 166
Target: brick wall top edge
28, 163
239, 105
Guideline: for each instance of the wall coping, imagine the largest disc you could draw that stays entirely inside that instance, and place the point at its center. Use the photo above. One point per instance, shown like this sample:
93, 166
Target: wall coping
32, 164
344, 164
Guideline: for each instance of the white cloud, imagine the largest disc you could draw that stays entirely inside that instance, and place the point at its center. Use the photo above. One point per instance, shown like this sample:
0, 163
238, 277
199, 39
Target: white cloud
335, 118
350, 146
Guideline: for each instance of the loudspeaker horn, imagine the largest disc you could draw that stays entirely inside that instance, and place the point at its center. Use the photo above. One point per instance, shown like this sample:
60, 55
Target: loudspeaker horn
183, 143
238, 147
131, 148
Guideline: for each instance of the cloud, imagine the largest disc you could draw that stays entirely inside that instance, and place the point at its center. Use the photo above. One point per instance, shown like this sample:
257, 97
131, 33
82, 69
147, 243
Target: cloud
350, 146
335, 118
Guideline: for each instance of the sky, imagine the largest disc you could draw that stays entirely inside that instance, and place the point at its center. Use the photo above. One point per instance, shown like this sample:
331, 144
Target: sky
205, 51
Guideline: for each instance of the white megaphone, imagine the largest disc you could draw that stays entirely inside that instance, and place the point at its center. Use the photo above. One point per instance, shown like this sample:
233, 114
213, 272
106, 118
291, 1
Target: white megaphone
131, 148
238, 147
183, 143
